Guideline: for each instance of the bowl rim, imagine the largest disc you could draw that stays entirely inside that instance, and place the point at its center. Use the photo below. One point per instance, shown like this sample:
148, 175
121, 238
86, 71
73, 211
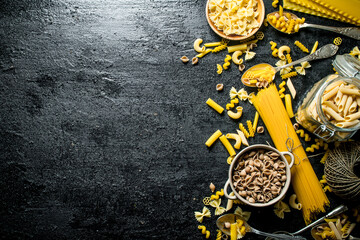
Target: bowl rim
284, 188
235, 37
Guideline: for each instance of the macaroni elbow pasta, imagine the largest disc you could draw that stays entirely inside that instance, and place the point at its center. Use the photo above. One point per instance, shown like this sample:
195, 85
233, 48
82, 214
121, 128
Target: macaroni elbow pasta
283, 49
235, 137
293, 204
236, 115
197, 45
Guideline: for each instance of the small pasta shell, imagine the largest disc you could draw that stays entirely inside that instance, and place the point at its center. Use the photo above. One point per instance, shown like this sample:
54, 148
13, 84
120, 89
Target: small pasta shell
260, 129
194, 60
241, 67
219, 86
184, 59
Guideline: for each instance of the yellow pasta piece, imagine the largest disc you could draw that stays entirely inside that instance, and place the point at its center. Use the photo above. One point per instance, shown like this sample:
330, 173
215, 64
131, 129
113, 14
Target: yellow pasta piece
217, 195
256, 120
301, 46
273, 45
227, 62
235, 57
289, 75
214, 105
312, 148
236, 115
337, 41
240, 47
275, 3
232, 103
243, 129
200, 215
250, 127
212, 44
288, 105
233, 231
259, 35
200, 55
235, 137
227, 145
293, 204
219, 69
280, 10
213, 138
243, 138
291, 88
323, 159
282, 89
204, 231
314, 48
219, 48
197, 47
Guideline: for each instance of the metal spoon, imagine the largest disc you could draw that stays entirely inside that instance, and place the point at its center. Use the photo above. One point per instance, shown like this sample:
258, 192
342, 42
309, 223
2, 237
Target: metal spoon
353, 32
334, 212
323, 52
231, 218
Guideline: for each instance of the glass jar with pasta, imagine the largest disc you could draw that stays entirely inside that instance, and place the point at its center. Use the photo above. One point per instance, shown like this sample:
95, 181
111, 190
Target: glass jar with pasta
331, 109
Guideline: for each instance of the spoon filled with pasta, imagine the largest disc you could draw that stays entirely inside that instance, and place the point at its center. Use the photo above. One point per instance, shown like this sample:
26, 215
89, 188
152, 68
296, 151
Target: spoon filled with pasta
234, 225
265, 73
289, 23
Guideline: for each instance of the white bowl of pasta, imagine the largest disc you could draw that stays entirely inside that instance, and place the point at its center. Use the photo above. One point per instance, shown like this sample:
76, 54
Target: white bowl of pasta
233, 19
259, 175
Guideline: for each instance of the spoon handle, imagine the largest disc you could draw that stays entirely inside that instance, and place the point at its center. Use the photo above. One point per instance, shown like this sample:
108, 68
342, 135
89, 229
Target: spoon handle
275, 235
326, 51
353, 32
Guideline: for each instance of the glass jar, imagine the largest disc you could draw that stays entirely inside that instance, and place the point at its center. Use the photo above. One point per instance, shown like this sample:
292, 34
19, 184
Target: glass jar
312, 113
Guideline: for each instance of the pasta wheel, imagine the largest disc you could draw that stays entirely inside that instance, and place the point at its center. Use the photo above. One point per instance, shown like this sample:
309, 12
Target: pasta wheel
337, 41
259, 35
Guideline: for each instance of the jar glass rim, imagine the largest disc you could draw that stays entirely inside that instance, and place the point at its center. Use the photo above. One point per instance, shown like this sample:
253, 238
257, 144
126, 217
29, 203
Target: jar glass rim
350, 80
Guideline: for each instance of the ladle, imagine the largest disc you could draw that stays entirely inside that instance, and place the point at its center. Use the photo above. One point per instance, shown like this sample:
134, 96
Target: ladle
231, 218
323, 52
353, 32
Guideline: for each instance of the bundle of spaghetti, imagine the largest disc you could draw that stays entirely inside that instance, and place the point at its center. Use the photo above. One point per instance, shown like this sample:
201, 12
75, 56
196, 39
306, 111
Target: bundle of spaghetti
303, 178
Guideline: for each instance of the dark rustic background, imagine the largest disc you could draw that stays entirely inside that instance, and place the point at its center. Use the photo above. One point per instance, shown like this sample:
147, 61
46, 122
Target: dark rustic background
103, 128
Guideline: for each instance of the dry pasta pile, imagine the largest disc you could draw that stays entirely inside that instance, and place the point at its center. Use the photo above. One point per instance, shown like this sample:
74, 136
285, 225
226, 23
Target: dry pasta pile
234, 16
304, 181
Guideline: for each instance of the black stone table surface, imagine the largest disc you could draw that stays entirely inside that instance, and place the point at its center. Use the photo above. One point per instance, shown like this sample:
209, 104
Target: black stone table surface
103, 127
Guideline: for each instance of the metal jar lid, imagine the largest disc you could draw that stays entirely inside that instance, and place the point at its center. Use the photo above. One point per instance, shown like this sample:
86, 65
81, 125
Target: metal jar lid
347, 66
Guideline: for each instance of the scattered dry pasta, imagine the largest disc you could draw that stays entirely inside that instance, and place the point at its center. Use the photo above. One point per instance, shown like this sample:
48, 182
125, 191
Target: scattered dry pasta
184, 59
237, 114
301, 69
337, 41
293, 204
219, 69
200, 215
301, 46
214, 105
204, 231
227, 62
289, 75
213, 138
216, 204
280, 208
259, 35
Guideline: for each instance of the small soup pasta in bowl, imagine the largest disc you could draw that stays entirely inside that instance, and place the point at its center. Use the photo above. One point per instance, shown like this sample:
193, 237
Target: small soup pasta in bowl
235, 19
259, 175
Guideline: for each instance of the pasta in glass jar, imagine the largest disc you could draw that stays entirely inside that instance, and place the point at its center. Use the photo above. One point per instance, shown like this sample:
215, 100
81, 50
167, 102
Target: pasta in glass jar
331, 109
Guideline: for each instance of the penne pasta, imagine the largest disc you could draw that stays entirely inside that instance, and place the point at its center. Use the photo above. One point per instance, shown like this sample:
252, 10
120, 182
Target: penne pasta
347, 105
331, 105
342, 102
213, 138
227, 145
338, 97
353, 107
347, 124
333, 114
353, 116
288, 105
331, 93
214, 105
350, 91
